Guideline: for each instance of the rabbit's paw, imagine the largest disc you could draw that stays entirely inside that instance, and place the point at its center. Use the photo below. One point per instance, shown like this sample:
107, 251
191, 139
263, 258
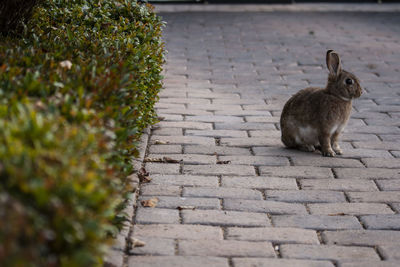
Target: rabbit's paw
307, 148
338, 150
328, 153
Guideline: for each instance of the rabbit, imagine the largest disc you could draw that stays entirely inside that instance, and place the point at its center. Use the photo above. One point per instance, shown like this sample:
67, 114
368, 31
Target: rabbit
313, 118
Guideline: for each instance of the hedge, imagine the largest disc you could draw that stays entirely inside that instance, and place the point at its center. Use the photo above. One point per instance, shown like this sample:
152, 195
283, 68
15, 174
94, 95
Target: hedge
78, 82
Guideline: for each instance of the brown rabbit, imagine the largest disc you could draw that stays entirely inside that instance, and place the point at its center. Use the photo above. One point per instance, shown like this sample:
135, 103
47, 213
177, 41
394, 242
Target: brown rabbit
314, 117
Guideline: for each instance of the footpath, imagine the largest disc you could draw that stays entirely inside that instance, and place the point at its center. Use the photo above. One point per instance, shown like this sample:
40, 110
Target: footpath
221, 190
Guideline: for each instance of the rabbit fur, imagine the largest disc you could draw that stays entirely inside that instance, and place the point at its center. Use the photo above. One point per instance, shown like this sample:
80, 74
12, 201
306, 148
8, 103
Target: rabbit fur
313, 118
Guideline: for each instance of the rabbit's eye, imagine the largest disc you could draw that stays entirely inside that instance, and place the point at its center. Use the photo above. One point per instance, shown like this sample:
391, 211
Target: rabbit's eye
349, 81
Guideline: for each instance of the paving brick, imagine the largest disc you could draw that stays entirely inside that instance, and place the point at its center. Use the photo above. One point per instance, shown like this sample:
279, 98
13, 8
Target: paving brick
184, 140
170, 117
262, 119
184, 111
162, 168
266, 133
154, 246
316, 222
226, 248
374, 129
159, 190
305, 196
273, 234
187, 158
318, 161
280, 151
369, 115
260, 182
377, 197
222, 192
185, 180
395, 207
213, 107
168, 131
215, 118
266, 107
217, 133
382, 163
224, 218
396, 154
382, 221
327, 252
185, 125
271, 207
366, 153
377, 145
240, 101
244, 126
389, 185
250, 142
243, 112
256, 160
264, 262
177, 231
216, 150
358, 137
338, 184
368, 173
175, 202
177, 261
349, 208
154, 215
165, 149
160, 105
213, 95
361, 263
361, 237
219, 169
177, 100
297, 172
389, 137
390, 252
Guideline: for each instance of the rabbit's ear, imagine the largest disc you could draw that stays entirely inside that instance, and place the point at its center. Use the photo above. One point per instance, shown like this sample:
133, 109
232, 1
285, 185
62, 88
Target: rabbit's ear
333, 62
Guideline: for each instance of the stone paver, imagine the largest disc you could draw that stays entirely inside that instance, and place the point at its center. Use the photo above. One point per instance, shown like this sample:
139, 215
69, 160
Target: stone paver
390, 252
327, 252
195, 202
370, 263
317, 222
233, 196
221, 169
349, 208
178, 231
339, 184
263, 262
222, 192
177, 261
382, 221
272, 234
224, 218
270, 207
155, 246
150, 215
227, 248
305, 196
361, 237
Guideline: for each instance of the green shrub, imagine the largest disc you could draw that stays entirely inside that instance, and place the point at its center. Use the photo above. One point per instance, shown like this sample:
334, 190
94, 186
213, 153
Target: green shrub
56, 200
77, 87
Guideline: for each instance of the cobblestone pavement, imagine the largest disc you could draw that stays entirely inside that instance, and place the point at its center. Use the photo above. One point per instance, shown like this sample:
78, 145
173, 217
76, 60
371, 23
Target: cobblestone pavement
238, 197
